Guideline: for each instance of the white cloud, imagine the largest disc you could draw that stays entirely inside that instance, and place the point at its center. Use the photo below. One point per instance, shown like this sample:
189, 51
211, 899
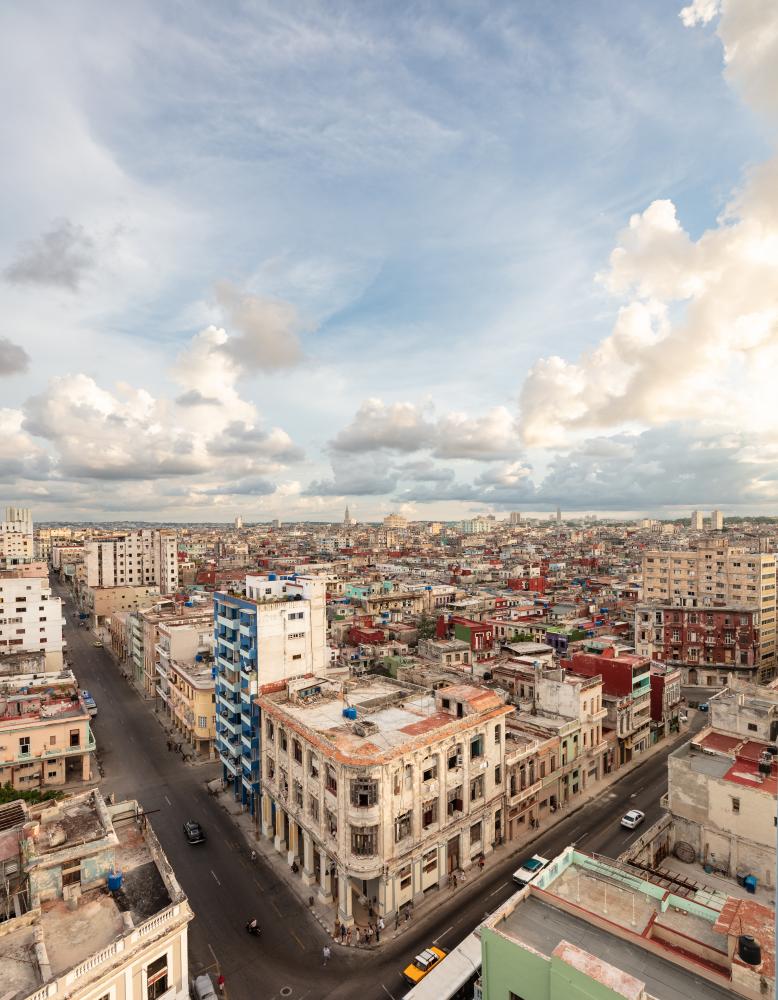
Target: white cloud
698, 338
265, 333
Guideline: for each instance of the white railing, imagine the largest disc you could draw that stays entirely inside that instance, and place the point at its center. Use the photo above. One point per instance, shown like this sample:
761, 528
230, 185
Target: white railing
93, 961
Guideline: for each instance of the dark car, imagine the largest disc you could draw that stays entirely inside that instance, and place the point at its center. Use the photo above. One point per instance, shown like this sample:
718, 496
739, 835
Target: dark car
193, 832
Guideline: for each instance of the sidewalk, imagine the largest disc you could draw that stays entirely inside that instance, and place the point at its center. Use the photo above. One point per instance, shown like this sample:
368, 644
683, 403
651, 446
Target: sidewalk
326, 913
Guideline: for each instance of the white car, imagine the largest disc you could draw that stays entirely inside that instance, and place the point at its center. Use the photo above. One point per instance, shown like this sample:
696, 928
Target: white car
632, 819
530, 870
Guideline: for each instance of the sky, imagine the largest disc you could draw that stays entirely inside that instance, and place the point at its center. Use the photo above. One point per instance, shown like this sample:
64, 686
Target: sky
446, 259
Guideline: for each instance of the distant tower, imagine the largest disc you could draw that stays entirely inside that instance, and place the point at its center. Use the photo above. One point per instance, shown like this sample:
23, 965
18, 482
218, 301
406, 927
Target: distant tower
347, 519
697, 520
716, 520
238, 522
558, 516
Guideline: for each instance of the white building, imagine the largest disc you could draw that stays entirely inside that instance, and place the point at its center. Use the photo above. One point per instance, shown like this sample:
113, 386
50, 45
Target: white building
697, 520
389, 788
138, 558
16, 541
30, 618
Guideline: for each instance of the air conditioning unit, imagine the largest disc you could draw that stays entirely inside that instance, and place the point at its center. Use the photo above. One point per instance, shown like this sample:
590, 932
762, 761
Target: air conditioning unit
484, 765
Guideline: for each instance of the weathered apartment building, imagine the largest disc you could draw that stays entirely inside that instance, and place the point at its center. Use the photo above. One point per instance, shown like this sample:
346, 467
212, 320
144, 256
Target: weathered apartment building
709, 644
90, 906
31, 619
378, 789
717, 574
45, 737
134, 559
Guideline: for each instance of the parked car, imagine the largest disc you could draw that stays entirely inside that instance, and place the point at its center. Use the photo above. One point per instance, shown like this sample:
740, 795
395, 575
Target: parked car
703, 706
530, 870
89, 702
98, 643
193, 832
423, 964
632, 819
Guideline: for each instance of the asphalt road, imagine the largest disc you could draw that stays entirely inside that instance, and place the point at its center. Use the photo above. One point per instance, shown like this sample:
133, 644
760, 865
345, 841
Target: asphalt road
225, 888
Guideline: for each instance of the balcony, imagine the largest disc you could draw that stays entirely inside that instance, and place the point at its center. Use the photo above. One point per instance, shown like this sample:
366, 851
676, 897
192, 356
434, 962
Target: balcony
228, 679
231, 766
162, 693
250, 631
524, 793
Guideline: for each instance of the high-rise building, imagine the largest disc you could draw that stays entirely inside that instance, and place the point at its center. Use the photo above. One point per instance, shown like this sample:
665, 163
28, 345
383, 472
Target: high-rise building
515, 517
717, 574
135, 559
277, 631
16, 539
697, 520
716, 520
558, 516
31, 618
238, 522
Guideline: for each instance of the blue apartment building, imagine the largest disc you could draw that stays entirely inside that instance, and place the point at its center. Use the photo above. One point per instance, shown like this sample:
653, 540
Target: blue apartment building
237, 718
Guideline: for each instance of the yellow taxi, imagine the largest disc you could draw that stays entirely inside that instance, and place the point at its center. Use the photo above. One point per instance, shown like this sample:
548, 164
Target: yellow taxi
425, 962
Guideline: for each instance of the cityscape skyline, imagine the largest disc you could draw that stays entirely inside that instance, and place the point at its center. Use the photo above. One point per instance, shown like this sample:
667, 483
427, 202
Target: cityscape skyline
290, 339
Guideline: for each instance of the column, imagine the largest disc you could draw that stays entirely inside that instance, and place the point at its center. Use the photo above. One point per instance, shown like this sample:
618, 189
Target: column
325, 884
294, 848
345, 901
266, 813
308, 875
278, 841
85, 771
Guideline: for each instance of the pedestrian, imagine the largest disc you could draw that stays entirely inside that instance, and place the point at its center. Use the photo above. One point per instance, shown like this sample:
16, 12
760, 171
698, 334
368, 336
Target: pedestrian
358, 936
369, 933
397, 920
342, 933
378, 928
337, 928
481, 862
407, 914
220, 982
348, 937
325, 954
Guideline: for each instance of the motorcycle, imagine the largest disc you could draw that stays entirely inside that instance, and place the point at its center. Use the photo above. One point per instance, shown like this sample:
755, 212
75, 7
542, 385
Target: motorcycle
253, 930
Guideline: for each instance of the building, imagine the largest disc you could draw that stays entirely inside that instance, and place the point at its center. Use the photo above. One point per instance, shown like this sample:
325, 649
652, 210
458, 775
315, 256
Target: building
144, 558
716, 573
16, 537
185, 681
588, 927
626, 687
710, 644
722, 786
45, 737
101, 603
238, 523
91, 907
395, 521
716, 520
665, 700
515, 517
387, 787
145, 637
278, 630
697, 520
31, 618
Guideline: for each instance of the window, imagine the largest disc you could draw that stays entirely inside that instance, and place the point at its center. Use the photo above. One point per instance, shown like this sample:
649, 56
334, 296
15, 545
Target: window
202, 722
430, 771
430, 861
752, 727
455, 803
497, 734
283, 740
475, 834
313, 807
297, 789
297, 751
476, 747
52, 740
454, 758
364, 792
735, 805
270, 729
364, 840
477, 788
24, 745
313, 766
297, 656
331, 822
156, 978
71, 874
429, 813
331, 782
402, 826
497, 774
404, 876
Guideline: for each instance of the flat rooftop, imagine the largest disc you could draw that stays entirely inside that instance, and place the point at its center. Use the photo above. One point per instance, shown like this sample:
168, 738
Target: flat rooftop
544, 927
390, 715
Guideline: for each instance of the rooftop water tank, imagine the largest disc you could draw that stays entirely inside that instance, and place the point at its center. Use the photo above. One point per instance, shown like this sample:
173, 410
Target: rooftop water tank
349, 713
749, 949
114, 881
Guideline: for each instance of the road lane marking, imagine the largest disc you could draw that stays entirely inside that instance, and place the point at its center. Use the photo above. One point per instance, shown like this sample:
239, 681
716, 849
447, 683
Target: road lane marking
168, 801
298, 940
495, 891
272, 903
386, 991
214, 875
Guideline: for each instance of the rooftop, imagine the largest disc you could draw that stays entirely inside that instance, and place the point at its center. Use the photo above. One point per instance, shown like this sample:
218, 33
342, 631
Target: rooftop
390, 716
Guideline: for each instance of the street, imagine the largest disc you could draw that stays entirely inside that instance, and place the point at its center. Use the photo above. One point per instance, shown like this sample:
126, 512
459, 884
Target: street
226, 889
